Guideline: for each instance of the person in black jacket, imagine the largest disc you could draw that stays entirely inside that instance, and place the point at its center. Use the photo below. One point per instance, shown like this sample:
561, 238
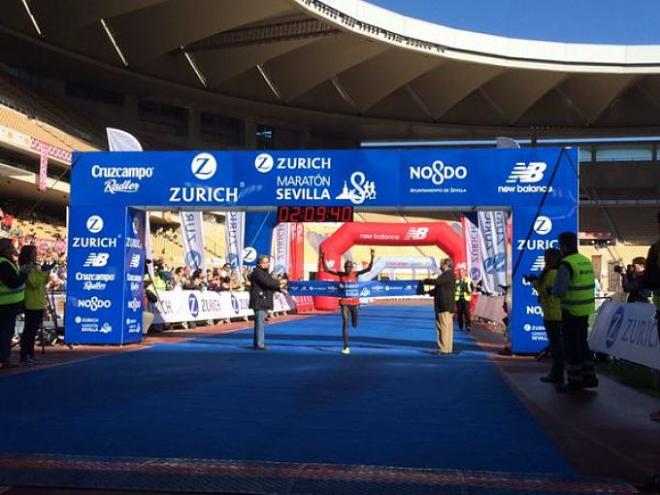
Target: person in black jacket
443, 297
12, 294
652, 282
633, 281
262, 287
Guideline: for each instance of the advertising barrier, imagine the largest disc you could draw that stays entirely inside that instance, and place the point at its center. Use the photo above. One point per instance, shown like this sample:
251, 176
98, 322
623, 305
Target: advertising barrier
193, 305
490, 308
537, 185
627, 331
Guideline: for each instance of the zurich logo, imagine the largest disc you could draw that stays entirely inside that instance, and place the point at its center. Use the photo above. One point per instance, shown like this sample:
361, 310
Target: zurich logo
136, 224
615, 327
94, 224
193, 259
475, 273
204, 166
542, 225
234, 304
193, 305
264, 163
249, 255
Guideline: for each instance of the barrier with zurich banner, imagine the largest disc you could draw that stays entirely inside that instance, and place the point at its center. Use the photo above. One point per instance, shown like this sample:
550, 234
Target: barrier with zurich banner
627, 331
193, 305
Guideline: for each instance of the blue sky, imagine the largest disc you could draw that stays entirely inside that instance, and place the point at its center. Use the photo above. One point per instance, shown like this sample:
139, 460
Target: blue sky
631, 22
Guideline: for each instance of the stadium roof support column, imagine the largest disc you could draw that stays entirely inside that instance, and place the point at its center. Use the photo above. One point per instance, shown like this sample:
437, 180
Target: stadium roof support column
152, 32
529, 87
448, 84
370, 82
595, 92
324, 58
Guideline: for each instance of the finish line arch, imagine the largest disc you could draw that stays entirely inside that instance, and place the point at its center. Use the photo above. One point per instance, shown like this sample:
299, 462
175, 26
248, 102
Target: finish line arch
111, 190
348, 235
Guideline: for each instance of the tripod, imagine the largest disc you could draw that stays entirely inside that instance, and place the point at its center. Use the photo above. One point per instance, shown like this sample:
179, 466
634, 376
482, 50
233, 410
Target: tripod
52, 335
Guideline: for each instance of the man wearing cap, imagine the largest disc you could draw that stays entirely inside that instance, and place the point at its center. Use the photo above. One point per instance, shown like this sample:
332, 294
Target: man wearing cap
12, 294
575, 288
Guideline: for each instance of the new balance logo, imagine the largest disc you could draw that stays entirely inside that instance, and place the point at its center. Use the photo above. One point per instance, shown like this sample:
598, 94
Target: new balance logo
527, 174
523, 177
96, 260
416, 234
539, 264
135, 261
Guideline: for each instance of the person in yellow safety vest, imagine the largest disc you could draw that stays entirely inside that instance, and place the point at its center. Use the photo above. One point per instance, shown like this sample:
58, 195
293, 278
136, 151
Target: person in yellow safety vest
575, 287
35, 299
652, 281
462, 297
551, 306
12, 295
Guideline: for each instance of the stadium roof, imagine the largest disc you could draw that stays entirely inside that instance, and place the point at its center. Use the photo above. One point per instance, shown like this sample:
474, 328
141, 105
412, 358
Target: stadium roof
343, 64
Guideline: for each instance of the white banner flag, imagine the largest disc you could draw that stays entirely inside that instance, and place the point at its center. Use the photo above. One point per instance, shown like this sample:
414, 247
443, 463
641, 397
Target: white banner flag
282, 245
235, 237
492, 231
119, 140
475, 263
192, 229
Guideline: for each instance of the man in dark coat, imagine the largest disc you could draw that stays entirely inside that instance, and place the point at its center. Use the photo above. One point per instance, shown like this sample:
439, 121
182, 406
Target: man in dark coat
443, 298
262, 286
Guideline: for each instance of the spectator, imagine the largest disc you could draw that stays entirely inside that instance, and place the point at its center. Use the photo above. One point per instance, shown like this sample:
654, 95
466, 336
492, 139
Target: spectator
633, 282
652, 282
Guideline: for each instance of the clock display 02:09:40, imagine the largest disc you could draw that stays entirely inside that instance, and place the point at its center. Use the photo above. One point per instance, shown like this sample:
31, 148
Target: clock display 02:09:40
311, 214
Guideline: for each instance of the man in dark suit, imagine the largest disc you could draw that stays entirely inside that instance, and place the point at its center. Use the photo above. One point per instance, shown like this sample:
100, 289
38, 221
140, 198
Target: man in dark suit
262, 286
443, 298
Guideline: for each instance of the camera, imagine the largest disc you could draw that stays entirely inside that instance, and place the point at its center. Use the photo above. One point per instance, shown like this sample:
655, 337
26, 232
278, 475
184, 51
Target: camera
618, 269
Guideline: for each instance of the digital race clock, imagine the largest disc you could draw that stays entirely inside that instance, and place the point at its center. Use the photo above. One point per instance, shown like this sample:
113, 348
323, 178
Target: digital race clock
311, 214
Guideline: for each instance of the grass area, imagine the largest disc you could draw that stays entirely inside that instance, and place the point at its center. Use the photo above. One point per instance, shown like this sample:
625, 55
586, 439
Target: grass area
639, 377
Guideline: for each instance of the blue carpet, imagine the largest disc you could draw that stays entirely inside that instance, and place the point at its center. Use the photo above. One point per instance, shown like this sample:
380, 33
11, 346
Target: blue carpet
389, 403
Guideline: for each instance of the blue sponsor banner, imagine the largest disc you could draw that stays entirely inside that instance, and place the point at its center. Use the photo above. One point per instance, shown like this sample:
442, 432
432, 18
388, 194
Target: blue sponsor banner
134, 262
95, 276
525, 181
328, 178
394, 288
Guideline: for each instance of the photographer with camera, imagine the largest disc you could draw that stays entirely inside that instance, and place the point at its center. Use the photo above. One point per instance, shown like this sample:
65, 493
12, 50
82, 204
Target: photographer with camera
35, 299
632, 281
551, 306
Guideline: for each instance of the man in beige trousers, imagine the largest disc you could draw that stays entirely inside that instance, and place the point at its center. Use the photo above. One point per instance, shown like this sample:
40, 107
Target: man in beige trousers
443, 298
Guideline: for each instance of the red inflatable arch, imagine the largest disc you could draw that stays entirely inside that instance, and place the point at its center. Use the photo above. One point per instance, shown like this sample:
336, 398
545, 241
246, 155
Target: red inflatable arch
439, 234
